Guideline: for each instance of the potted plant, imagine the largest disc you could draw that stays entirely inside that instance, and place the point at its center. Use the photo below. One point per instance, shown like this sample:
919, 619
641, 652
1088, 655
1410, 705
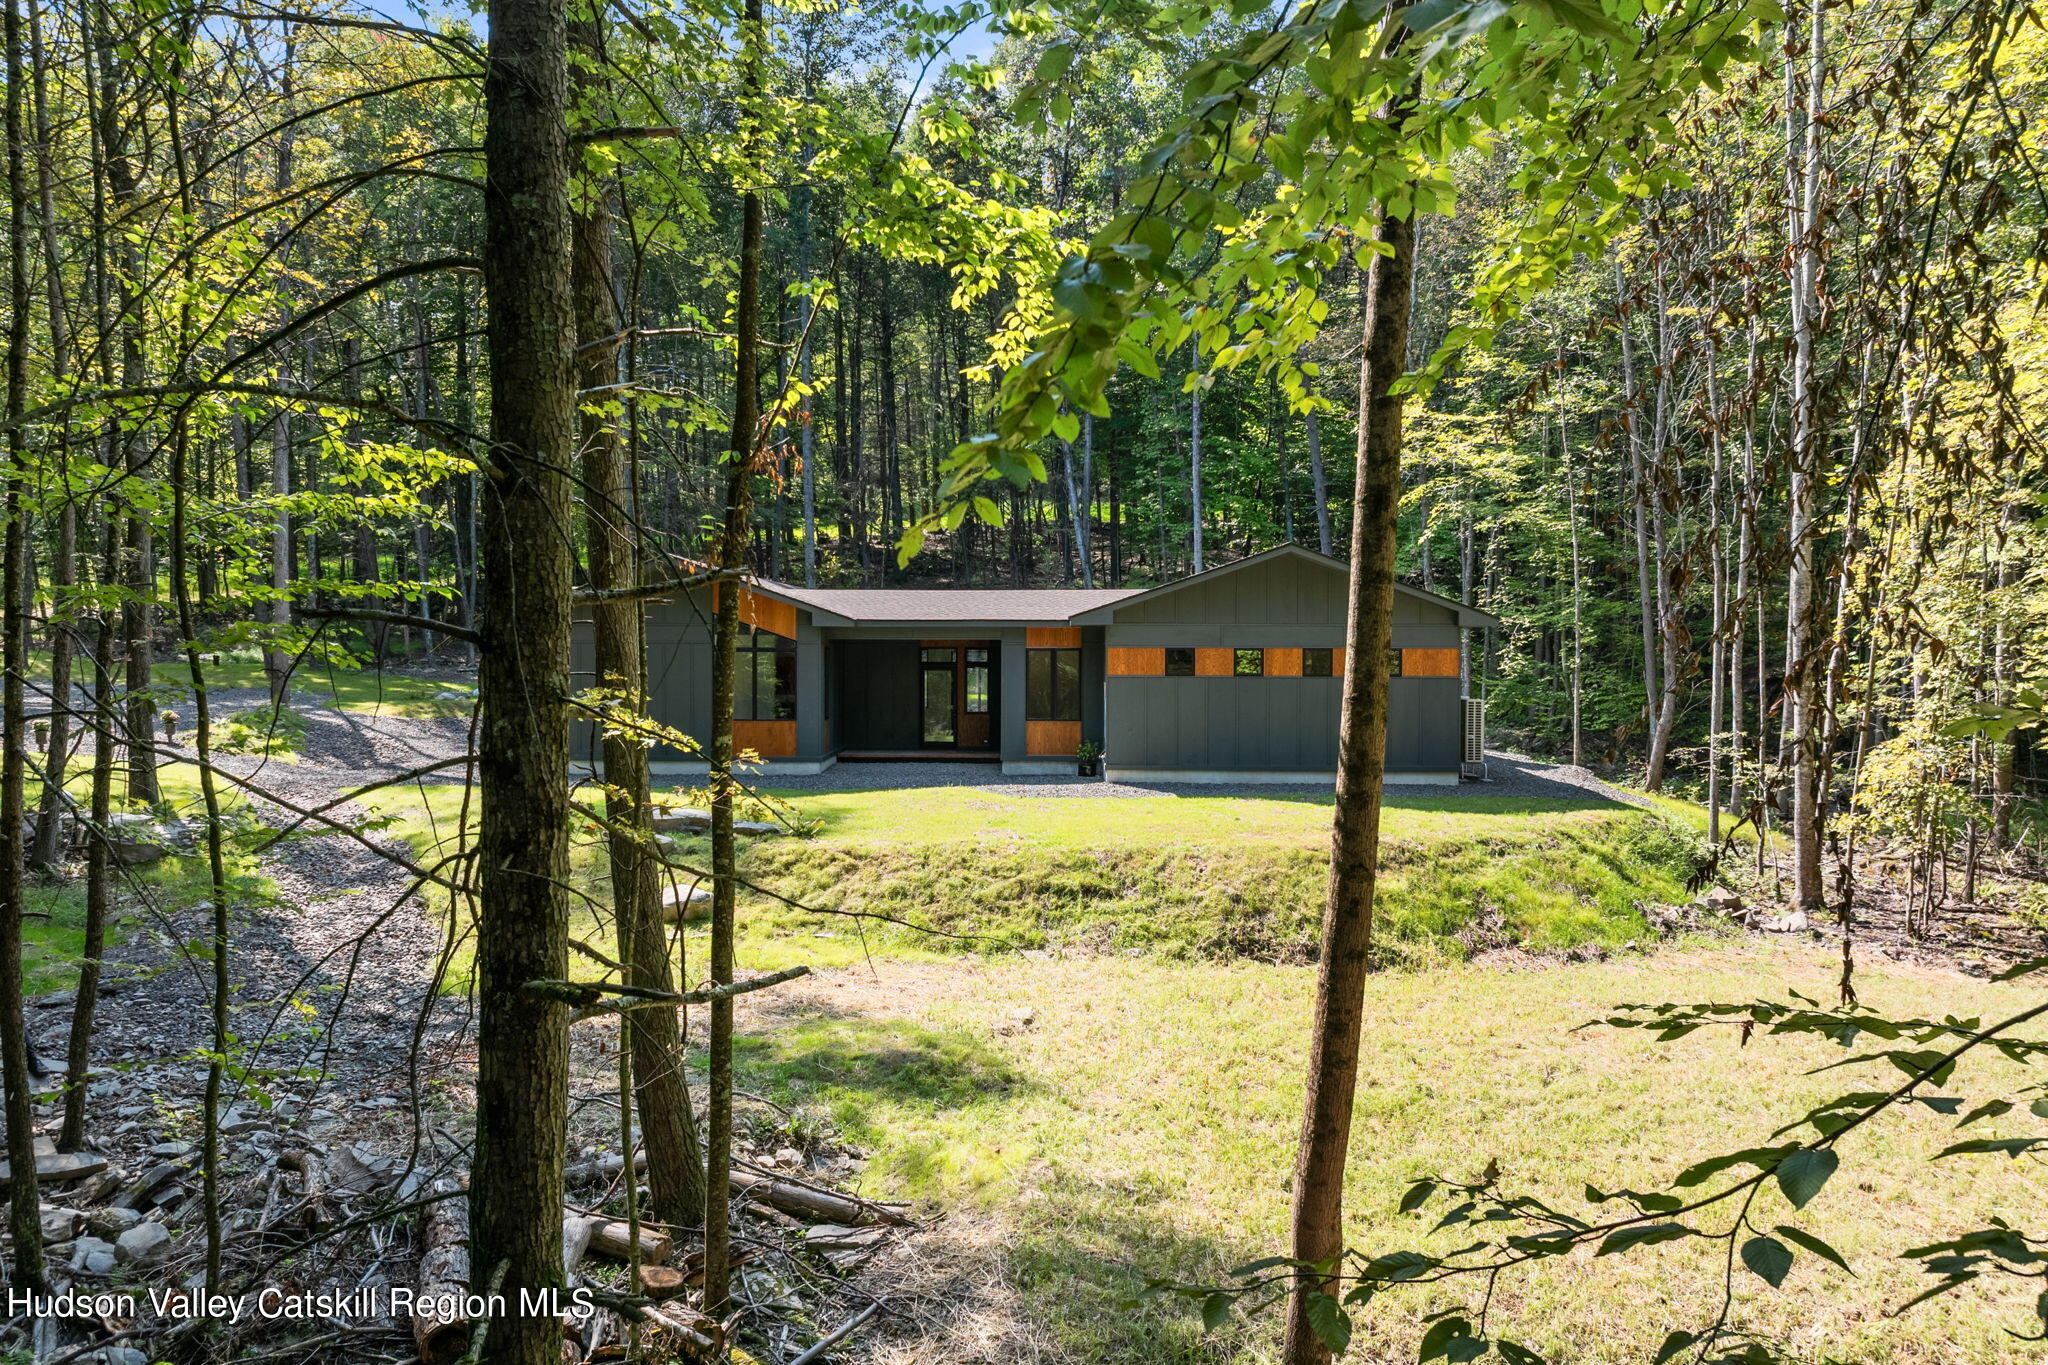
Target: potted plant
1089, 758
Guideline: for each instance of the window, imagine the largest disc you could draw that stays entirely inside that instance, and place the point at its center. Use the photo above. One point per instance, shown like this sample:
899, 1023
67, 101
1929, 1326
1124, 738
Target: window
1180, 663
1052, 684
764, 685
1317, 663
977, 682
1393, 663
1249, 663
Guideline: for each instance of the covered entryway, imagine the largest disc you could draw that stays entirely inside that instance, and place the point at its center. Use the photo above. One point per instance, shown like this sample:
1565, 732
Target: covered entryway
907, 699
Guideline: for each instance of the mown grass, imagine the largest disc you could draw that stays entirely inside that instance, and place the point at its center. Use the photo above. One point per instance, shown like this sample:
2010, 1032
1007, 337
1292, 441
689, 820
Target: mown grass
1143, 1123
931, 872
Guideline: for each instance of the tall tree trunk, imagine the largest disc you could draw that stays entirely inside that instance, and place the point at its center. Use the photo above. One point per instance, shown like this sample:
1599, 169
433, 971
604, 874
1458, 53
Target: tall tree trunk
1318, 1214
1802, 666
1195, 456
675, 1163
47, 850
1631, 405
1318, 480
523, 681
85, 999
745, 442
24, 1220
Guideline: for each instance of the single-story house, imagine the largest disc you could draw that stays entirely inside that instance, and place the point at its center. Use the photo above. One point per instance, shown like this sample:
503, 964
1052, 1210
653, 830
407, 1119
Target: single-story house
1232, 675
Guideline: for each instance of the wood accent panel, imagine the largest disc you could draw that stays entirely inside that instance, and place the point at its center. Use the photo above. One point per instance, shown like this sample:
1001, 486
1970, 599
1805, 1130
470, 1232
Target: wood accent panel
1337, 662
1215, 663
1052, 738
762, 613
766, 613
1283, 663
1137, 663
1429, 663
1052, 637
768, 738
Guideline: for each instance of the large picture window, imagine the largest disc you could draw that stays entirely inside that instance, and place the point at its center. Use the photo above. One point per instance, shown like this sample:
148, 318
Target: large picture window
764, 685
1052, 684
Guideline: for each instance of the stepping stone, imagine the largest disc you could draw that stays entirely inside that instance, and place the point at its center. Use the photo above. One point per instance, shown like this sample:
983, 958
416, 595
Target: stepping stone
685, 903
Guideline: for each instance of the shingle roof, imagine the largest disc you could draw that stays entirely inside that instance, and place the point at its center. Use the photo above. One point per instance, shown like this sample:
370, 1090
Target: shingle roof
1015, 605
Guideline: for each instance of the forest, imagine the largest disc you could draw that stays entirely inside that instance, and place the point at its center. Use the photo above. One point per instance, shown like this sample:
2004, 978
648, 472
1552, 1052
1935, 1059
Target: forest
358, 358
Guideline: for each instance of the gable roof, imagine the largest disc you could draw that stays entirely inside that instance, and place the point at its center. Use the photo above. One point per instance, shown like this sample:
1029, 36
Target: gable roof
901, 606
1466, 615
1044, 606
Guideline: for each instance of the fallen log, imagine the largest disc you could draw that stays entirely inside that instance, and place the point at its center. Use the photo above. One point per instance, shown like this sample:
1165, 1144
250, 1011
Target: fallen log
439, 1328
614, 1237
799, 1199
815, 1204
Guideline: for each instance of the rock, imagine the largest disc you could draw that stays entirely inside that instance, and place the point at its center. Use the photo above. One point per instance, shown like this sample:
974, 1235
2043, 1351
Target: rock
143, 1245
686, 819
1722, 901
118, 1355
60, 1224
92, 1254
149, 1184
170, 1150
685, 902
59, 1168
111, 1222
235, 1122
789, 1156
1792, 922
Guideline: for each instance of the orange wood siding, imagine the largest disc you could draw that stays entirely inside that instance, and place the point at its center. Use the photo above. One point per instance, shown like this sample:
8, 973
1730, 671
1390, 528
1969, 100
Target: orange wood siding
1137, 663
1429, 663
1049, 738
1337, 663
768, 738
1283, 663
1052, 637
1215, 663
762, 613
765, 613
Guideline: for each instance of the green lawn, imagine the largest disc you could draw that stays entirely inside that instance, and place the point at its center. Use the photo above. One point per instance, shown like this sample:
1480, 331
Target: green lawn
1143, 1122
927, 872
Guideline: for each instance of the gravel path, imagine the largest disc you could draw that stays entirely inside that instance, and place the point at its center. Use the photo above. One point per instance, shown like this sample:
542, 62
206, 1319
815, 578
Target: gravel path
330, 975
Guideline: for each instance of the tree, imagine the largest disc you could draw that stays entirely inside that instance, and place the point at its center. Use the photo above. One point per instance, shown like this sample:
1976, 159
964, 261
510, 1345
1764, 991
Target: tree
522, 679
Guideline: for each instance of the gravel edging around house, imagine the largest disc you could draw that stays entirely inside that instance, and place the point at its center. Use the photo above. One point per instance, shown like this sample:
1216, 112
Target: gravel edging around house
1511, 775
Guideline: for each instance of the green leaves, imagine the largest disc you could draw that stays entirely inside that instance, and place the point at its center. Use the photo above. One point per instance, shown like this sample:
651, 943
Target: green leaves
1768, 1258
1328, 1320
1451, 1339
1801, 1175
1642, 1234
1812, 1244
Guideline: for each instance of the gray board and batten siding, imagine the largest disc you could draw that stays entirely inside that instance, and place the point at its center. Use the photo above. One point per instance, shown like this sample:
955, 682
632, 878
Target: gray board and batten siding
1267, 728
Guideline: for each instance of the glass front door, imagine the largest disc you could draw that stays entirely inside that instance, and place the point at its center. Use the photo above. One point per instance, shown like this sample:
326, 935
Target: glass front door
940, 674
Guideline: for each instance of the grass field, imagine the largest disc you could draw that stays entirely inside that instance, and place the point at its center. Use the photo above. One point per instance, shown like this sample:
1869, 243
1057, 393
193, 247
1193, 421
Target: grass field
1203, 878
1143, 1122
